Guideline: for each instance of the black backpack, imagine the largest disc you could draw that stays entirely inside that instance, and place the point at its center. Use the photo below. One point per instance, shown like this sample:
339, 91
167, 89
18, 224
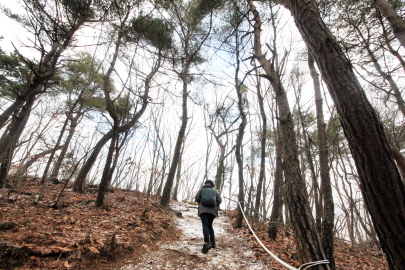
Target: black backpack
208, 197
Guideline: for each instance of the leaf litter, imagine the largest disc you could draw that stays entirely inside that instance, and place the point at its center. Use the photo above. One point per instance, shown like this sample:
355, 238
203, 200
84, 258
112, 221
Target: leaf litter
133, 232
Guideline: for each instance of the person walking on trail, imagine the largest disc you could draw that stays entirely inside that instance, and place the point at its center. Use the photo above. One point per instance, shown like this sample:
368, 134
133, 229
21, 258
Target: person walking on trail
208, 203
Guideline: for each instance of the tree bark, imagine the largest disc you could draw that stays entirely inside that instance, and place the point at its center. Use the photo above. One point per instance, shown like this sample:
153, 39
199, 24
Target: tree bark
10, 138
50, 159
178, 176
62, 155
263, 137
164, 200
276, 212
107, 171
328, 210
78, 185
239, 137
380, 181
309, 246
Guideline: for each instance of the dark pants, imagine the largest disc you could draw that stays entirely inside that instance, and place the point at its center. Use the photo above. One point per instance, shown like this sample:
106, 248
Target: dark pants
208, 231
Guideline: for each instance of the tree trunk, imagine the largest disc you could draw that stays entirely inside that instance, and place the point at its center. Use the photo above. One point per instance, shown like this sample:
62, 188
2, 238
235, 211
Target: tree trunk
239, 138
14, 107
328, 211
400, 160
178, 176
50, 159
85, 169
276, 213
62, 155
263, 137
10, 138
315, 186
220, 167
104, 182
397, 23
49, 60
309, 246
381, 184
164, 200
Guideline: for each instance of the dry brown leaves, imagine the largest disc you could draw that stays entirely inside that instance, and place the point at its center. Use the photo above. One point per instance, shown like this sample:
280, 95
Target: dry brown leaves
345, 259
76, 234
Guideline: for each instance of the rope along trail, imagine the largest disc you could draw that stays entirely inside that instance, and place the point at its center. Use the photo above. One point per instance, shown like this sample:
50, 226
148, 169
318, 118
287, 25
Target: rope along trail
303, 267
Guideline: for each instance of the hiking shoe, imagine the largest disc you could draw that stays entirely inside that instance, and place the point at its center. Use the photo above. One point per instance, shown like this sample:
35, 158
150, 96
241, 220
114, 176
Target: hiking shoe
205, 248
213, 245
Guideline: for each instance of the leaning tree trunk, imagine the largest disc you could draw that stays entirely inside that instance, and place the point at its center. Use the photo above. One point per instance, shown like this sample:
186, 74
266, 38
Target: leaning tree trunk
62, 155
315, 186
164, 200
78, 185
105, 178
309, 245
380, 181
56, 147
85, 169
10, 139
49, 60
397, 22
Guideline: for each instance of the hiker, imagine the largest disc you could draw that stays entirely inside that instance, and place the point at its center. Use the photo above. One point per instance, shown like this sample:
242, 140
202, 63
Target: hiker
208, 203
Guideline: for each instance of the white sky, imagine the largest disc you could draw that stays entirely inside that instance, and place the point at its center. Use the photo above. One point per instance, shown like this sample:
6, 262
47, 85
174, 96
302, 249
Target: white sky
10, 30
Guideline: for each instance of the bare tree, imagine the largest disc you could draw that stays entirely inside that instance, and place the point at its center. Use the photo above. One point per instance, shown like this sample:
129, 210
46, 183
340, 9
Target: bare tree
188, 17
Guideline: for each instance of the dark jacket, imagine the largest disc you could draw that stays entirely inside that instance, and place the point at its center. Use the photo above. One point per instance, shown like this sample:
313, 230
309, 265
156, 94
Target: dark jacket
206, 209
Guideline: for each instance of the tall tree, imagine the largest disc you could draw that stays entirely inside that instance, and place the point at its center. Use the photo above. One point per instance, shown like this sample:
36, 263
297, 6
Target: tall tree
328, 207
54, 25
242, 103
82, 83
308, 241
380, 181
123, 16
154, 32
188, 18
263, 142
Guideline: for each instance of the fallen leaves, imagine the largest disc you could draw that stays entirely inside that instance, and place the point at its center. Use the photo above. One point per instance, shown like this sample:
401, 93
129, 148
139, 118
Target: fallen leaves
284, 248
76, 233
77, 229
94, 250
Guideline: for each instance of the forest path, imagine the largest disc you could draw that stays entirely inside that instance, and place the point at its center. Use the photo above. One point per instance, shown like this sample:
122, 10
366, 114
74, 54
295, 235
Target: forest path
232, 251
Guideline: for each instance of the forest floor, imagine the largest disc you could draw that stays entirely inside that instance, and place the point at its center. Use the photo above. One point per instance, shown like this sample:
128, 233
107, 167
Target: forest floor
133, 232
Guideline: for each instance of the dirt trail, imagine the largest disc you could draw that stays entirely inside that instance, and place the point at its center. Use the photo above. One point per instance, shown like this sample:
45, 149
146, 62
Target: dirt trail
232, 252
